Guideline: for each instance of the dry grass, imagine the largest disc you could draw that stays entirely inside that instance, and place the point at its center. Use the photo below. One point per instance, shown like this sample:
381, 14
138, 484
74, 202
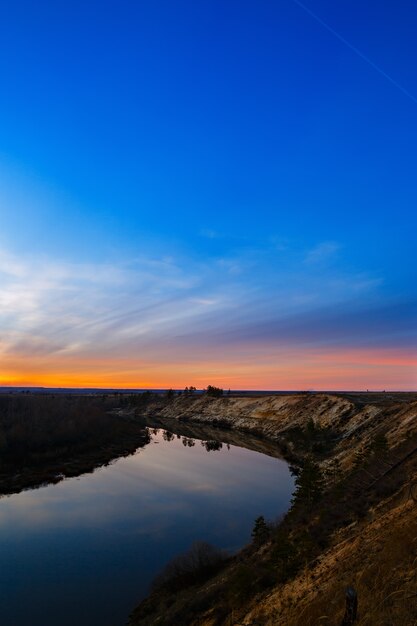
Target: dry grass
363, 532
379, 559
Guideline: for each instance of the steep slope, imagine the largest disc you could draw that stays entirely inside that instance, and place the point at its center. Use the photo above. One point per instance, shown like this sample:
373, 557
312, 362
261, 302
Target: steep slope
362, 531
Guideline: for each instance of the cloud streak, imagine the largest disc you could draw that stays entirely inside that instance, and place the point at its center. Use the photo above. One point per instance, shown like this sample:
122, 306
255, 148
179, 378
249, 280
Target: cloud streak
157, 321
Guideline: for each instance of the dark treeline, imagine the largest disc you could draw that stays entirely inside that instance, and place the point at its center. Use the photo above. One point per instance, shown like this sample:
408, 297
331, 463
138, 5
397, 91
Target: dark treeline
60, 435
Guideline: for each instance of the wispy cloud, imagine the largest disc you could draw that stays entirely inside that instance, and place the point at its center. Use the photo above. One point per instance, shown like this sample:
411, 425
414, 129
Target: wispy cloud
150, 313
53, 306
210, 233
322, 252
48, 305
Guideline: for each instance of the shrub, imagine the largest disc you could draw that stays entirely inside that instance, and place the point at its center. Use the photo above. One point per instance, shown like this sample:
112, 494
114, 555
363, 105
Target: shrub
309, 484
195, 565
260, 532
214, 392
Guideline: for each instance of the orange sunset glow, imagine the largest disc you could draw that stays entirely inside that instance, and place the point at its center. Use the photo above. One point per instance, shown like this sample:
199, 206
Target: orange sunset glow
347, 369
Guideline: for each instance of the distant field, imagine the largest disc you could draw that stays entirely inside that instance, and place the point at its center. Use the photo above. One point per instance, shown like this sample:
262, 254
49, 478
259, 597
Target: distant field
78, 391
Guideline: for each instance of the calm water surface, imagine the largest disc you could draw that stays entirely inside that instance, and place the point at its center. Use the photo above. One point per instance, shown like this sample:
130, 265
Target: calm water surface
84, 551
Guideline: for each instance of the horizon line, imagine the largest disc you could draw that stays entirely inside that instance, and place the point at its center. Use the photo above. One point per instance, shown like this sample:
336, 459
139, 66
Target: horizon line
161, 389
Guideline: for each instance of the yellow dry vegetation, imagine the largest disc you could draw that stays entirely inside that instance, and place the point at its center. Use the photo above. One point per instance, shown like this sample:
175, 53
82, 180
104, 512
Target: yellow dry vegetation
375, 552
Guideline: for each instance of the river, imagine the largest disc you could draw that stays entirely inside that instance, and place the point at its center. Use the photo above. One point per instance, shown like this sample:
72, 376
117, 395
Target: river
85, 550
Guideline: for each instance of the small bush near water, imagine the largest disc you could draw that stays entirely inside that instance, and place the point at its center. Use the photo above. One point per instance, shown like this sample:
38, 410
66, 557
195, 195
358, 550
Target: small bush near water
201, 561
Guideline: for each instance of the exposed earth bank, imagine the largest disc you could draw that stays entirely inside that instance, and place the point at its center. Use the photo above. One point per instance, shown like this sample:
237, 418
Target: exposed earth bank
361, 530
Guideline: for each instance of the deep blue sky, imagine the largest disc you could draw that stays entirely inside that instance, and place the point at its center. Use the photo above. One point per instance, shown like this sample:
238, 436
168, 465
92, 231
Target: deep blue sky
223, 138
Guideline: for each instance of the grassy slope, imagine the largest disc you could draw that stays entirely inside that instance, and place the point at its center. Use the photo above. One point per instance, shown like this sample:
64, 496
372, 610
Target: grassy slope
363, 531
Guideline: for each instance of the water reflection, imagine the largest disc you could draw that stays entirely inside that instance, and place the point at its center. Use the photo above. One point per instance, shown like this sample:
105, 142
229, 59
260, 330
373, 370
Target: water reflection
84, 551
211, 445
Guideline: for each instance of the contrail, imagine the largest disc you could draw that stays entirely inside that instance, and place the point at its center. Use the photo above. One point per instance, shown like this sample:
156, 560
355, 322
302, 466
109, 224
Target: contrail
356, 50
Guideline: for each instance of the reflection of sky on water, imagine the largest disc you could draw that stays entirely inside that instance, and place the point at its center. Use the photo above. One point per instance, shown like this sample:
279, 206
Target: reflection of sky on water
83, 551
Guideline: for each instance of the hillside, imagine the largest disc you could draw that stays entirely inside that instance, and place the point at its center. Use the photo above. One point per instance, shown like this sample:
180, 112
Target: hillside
361, 530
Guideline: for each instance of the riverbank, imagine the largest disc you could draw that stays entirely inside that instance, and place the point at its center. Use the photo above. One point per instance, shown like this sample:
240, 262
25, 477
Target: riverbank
361, 530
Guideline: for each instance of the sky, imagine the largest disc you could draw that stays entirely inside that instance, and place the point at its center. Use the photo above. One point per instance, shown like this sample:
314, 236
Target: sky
210, 192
